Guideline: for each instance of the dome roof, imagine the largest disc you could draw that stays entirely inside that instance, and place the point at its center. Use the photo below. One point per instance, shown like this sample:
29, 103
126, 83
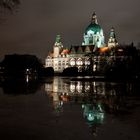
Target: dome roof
93, 27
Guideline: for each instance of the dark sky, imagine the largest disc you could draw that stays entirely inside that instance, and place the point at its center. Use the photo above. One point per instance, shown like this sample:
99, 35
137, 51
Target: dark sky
32, 30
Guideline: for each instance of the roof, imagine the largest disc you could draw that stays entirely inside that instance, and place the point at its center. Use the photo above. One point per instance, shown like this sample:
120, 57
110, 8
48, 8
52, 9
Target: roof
93, 27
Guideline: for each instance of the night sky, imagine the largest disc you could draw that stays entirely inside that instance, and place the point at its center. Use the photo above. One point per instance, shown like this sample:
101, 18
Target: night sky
32, 30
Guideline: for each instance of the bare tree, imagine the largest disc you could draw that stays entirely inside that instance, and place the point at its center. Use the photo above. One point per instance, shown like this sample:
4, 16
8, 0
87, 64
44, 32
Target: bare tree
9, 4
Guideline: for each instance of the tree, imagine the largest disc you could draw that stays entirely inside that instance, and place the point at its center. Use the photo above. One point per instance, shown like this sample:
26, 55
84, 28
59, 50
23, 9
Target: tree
9, 4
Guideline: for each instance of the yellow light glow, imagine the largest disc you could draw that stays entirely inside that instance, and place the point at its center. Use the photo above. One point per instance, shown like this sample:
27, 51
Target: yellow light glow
104, 49
120, 50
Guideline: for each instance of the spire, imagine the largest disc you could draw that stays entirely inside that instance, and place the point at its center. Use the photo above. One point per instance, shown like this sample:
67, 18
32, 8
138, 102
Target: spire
94, 18
112, 42
58, 42
112, 33
58, 39
58, 47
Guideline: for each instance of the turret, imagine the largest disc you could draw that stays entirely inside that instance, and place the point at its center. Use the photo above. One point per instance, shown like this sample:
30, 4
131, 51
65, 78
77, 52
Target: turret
112, 42
57, 48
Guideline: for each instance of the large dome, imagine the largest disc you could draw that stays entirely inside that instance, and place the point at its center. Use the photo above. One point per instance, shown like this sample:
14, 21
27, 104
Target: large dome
94, 28
93, 34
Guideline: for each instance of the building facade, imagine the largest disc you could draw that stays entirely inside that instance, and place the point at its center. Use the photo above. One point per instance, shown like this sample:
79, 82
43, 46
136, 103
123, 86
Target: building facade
86, 56
94, 34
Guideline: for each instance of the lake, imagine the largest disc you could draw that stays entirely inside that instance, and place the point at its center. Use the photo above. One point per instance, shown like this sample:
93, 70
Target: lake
69, 108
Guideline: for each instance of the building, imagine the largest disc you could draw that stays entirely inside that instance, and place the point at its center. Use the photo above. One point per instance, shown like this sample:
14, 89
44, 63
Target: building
112, 42
94, 34
59, 58
85, 57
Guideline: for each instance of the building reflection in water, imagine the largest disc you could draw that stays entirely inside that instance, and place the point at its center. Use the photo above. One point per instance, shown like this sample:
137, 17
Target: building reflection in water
96, 98
94, 115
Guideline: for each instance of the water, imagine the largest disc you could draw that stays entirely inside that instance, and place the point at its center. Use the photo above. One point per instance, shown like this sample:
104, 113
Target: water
69, 109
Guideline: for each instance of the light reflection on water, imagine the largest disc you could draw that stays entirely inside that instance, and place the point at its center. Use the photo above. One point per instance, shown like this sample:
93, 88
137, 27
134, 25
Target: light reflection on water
95, 100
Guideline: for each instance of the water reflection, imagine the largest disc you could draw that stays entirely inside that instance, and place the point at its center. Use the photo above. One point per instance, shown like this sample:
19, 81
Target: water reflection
18, 85
94, 115
96, 98
65, 108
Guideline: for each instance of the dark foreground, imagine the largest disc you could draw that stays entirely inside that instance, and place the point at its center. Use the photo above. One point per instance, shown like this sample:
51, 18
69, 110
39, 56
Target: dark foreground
65, 110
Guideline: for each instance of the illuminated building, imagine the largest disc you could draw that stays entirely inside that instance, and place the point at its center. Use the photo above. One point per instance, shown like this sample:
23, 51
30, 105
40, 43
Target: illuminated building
94, 34
59, 59
83, 57
112, 42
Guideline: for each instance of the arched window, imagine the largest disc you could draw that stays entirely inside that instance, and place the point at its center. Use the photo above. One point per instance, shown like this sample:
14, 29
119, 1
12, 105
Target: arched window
79, 62
72, 62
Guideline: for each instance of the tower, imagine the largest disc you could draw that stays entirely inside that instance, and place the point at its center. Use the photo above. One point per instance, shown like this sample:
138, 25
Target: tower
58, 47
112, 42
94, 33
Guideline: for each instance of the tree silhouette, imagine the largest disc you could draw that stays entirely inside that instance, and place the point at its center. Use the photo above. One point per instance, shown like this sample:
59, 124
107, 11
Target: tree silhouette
9, 4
